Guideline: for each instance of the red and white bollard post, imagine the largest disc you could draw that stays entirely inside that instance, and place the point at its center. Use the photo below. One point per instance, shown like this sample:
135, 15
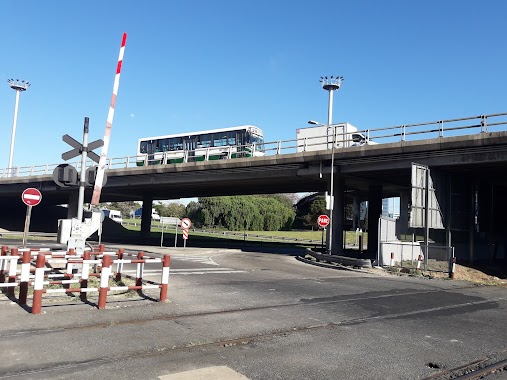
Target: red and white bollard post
85, 274
13, 265
392, 260
419, 261
453, 267
119, 266
105, 272
38, 286
3, 263
25, 276
166, 263
140, 268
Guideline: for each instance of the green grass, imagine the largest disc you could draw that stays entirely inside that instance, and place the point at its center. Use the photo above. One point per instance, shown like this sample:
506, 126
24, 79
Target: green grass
250, 235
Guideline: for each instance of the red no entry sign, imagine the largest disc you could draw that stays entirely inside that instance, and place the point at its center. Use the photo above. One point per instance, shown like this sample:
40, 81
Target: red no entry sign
323, 220
31, 197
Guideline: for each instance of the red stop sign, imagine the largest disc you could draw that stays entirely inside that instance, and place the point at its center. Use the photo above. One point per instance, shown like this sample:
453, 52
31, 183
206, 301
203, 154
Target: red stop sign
323, 220
31, 197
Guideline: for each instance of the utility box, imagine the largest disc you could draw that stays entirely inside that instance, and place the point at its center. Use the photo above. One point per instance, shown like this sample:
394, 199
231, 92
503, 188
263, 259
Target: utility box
64, 229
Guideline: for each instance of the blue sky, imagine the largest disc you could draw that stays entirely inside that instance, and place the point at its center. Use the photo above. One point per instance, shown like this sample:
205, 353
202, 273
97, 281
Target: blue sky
193, 65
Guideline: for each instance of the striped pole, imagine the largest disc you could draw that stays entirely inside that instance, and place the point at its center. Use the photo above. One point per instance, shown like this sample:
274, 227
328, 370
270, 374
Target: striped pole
453, 265
13, 264
392, 260
25, 275
419, 260
109, 124
3, 263
104, 280
166, 263
38, 284
119, 266
85, 273
139, 272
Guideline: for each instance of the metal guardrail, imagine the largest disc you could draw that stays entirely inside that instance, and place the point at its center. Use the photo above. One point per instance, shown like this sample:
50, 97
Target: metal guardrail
170, 229
406, 132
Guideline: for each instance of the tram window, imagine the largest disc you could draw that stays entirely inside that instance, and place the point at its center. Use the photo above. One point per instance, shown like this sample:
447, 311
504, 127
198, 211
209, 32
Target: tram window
143, 148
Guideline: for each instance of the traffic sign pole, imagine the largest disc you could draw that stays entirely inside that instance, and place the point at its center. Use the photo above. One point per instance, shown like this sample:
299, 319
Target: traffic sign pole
84, 155
323, 220
27, 225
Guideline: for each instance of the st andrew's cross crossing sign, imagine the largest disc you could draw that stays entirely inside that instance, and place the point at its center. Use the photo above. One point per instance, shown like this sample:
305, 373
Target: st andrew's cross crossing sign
78, 148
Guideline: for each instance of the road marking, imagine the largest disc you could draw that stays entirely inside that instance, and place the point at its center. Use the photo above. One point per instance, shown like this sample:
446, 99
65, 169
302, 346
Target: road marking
174, 272
209, 373
196, 259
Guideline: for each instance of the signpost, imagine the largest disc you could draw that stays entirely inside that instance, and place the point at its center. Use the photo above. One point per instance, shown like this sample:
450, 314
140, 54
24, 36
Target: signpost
169, 220
30, 197
185, 225
323, 221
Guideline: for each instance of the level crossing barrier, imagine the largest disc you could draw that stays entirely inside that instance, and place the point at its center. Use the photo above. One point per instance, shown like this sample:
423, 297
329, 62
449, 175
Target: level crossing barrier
38, 270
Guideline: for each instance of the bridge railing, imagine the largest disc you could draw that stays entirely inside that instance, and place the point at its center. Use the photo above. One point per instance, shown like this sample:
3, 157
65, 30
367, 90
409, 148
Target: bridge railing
407, 132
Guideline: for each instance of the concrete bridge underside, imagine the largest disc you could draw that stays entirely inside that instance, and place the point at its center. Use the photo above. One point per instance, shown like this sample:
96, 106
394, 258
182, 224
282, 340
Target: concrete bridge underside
470, 169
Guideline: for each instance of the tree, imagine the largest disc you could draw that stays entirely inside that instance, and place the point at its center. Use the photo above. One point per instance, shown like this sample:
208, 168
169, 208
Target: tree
126, 208
174, 209
245, 212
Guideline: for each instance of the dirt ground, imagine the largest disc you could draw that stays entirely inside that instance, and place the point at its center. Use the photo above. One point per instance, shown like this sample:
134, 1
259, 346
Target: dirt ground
479, 274
487, 275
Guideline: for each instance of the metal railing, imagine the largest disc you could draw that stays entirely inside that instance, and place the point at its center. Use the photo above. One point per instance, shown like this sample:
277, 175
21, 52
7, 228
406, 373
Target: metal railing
401, 133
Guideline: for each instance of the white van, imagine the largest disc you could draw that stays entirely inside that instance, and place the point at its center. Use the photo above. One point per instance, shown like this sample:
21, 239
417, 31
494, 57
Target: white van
155, 215
113, 215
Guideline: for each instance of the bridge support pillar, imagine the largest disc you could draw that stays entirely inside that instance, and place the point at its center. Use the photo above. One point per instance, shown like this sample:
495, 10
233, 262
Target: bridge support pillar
374, 212
146, 217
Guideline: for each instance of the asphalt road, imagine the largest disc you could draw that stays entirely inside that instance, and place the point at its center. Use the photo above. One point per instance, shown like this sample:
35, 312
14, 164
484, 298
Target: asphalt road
263, 316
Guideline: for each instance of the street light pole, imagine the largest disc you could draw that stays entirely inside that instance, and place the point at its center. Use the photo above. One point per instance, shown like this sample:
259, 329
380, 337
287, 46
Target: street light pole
17, 86
330, 85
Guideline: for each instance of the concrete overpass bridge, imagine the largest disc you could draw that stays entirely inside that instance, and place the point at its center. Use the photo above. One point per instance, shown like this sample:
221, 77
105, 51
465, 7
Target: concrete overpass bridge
468, 171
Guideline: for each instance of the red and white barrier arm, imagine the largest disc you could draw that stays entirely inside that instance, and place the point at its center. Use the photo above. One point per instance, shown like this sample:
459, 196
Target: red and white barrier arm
109, 124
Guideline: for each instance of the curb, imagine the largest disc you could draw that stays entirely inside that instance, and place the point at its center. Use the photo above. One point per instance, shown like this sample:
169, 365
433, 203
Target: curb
330, 266
343, 260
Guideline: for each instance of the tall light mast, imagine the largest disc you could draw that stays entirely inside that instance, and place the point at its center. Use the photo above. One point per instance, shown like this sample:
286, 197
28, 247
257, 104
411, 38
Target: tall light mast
330, 85
18, 86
